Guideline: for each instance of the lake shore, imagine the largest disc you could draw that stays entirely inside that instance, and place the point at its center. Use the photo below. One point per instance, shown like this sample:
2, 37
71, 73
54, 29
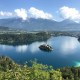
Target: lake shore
23, 37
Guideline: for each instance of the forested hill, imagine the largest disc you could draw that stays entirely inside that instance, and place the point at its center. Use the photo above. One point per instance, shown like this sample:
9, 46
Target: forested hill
19, 38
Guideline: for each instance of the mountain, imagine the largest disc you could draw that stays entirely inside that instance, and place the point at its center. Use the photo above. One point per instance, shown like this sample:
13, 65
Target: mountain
39, 24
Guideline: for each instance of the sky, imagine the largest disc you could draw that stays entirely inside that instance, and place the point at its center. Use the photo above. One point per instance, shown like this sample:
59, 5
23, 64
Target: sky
45, 9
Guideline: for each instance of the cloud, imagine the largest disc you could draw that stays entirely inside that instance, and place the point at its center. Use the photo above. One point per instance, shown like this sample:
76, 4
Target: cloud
2, 13
36, 13
70, 13
25, 14
22, 13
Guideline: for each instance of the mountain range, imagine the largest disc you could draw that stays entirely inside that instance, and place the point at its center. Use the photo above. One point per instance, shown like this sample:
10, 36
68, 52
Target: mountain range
39, 24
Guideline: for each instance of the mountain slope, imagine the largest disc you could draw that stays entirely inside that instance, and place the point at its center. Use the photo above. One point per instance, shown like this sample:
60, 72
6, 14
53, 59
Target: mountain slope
39, 24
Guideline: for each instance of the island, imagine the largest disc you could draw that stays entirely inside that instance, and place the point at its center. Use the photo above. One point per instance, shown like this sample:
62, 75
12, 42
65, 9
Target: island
45, 47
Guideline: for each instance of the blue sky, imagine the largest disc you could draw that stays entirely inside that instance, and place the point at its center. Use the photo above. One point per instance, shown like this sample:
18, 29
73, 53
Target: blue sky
52, 7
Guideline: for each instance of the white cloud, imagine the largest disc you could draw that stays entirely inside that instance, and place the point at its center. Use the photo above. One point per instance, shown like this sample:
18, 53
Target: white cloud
70, 13
36, 13
22, 13
2, 13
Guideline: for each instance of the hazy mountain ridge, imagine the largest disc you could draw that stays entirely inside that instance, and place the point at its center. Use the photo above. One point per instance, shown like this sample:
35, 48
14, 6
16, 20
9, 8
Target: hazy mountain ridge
39, 24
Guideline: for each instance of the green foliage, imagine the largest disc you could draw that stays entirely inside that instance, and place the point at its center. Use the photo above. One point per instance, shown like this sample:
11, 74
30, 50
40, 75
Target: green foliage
23, 38
72, 73
9, 70
35, 72
6, 63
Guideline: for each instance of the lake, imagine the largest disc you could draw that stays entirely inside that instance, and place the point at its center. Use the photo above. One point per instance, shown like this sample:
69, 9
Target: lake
66, 52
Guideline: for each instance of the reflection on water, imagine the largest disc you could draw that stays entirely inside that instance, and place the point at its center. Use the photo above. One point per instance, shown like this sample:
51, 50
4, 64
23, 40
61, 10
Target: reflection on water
34, 47
6, 47
66, 45
65, 53
69, 45
22, 48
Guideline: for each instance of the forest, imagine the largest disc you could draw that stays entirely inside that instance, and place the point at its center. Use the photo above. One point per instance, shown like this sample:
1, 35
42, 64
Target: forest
9, 70
20, 38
